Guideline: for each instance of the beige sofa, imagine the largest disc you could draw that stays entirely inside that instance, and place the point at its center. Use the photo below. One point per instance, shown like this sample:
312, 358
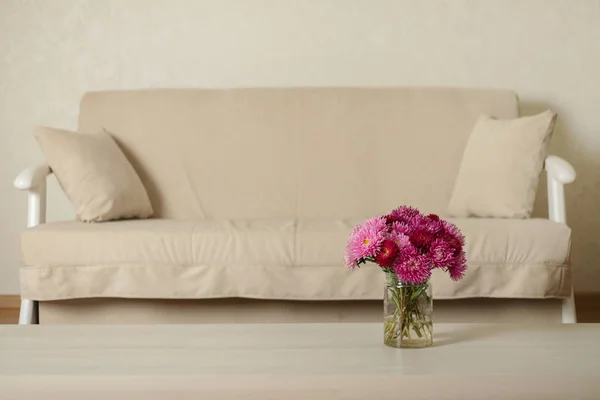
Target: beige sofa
255, 192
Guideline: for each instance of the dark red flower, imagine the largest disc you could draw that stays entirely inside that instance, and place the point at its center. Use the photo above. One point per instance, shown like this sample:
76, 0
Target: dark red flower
433, 217
389, 219
422, 240
453, 242
387, 255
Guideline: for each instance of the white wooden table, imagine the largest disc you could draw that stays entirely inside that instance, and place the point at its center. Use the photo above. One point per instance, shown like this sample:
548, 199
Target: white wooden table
300, 361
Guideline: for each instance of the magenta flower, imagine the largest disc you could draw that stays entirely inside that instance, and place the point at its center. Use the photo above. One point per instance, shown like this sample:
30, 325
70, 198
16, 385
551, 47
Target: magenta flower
402, 240
401, 228
418, 221
365, 241
433, 224
413, 270
402, 214
405, 247
453, 234
458, 267
441, 253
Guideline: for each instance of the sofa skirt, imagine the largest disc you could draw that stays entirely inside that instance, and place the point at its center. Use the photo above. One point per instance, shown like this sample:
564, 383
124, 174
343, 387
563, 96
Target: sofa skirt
235, 310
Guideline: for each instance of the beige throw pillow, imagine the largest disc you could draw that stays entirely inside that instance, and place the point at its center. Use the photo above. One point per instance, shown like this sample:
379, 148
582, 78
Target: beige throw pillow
95, 175
501, 165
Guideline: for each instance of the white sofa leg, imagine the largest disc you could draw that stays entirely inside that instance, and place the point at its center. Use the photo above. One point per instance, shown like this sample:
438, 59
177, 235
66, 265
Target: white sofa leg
569, 315
27, 313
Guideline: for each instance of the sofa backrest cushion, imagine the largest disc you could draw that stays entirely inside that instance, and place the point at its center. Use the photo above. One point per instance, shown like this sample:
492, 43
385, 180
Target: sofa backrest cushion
297, 152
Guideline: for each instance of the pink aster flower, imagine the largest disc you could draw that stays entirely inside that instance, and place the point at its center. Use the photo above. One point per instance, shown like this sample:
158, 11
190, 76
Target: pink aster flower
458, 267
433, 224
387, 255
413, 270
403, 214
349, 260
453, 234
365, 241
405, 247
441, 254
417, 221
400, 228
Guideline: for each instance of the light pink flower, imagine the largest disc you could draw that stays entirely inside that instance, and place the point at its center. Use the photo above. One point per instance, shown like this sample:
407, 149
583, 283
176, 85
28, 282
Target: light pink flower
349, 260
400, 227
365, 241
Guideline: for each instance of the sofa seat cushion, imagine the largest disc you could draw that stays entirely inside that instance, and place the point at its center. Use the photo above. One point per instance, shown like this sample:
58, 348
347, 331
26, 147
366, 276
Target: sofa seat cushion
273, 259
155, 258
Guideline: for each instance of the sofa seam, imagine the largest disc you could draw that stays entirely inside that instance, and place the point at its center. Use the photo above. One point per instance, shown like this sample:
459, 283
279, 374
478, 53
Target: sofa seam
292, 298
537, 264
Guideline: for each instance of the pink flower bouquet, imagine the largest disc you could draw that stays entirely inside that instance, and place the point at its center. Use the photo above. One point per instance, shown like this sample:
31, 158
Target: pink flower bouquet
408, 246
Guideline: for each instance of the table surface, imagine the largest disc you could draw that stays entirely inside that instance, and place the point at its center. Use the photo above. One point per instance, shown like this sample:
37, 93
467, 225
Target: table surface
302, 361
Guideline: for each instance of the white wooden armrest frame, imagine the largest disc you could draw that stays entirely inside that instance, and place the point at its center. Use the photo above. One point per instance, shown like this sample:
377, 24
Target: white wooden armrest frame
33, 180
559, 173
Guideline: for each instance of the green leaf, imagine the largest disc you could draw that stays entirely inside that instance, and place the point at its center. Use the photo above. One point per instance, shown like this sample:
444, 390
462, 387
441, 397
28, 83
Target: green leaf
419, 290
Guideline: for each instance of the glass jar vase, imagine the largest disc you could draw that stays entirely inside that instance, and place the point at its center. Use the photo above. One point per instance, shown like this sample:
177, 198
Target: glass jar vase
407, 313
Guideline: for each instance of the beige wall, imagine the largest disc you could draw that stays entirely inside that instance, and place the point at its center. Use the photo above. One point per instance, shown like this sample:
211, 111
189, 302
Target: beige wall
53, 51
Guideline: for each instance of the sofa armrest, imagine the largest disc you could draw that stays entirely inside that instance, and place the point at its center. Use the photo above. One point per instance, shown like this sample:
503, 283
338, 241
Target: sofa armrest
559, 173
33, 179
559, 169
